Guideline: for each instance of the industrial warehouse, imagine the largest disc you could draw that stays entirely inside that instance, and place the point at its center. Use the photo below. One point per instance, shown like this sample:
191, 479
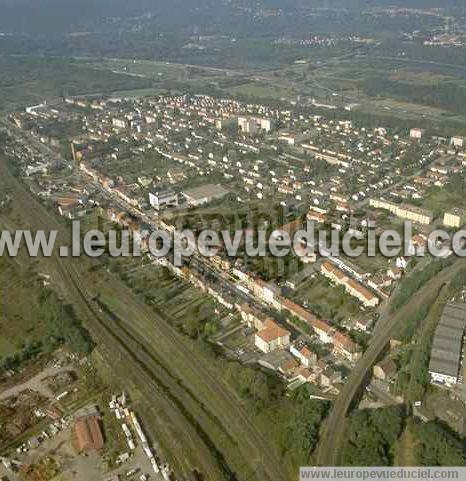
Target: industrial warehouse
446, 356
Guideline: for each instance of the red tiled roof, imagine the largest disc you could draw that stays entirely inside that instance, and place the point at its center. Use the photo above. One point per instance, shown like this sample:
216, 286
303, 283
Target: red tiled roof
306, 316
272, 332
306, 352
342, 277
304, 372
344, 342
88, 433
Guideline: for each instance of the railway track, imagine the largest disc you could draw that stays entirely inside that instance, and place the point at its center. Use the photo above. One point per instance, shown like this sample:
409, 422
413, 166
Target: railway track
154, 377
332, 434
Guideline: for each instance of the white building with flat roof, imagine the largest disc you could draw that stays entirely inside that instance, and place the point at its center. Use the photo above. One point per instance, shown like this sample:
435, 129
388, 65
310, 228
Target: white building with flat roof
454, 218
416, 133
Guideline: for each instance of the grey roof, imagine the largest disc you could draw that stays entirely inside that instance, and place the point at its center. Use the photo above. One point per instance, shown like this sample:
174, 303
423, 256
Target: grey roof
454, 315
448, 341
205, 191
446, 368
445, 355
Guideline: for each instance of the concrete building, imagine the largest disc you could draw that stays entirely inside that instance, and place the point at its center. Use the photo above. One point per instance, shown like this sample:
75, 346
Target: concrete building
204, 194
272, 337
120, 123
344, 346
385, 369
266, 291
160, 199
225, 123
329, 377
317, 214
404, 211
306, 357
446, 354
292, 138
253, 125
457, 141
454, 218
321, 328
363, 325
416, 134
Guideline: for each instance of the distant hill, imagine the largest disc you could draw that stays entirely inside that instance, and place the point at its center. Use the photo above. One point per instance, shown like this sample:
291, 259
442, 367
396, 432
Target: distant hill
60, 16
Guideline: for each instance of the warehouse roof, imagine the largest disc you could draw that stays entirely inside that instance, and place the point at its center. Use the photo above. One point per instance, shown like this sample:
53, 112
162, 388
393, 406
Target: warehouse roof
205, 192
448, 341
89, 434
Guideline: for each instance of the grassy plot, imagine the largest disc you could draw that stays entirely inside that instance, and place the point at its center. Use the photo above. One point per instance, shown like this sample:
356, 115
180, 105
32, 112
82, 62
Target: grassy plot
327, 301
20, 322
6, 346
405, 451
259, 90
162, 76
31, 80
443, 199
141, 68
148, 92
60, 477
186, 307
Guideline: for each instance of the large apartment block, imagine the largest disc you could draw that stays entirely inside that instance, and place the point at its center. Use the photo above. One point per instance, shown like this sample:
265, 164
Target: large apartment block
404, 211
454, 218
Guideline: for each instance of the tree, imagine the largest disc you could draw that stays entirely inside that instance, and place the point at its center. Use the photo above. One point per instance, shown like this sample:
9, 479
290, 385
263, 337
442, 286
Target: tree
437, 445
371, 437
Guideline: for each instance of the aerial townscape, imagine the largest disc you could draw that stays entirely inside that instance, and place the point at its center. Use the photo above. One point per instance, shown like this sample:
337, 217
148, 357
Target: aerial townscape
238, 117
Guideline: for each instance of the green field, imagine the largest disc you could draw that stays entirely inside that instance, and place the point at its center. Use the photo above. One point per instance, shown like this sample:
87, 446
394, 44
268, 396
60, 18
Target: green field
388, 87
149, 92
443, 200
6, 346
143, 68
259, 90
19, 320
327, 301
31, 80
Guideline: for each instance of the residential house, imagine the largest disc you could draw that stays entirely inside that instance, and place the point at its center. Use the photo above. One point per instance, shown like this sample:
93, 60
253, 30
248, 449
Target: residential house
385, 369
351, 286
272, 337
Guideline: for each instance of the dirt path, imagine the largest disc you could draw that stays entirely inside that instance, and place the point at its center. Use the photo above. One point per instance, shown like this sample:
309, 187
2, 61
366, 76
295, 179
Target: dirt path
35, 384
